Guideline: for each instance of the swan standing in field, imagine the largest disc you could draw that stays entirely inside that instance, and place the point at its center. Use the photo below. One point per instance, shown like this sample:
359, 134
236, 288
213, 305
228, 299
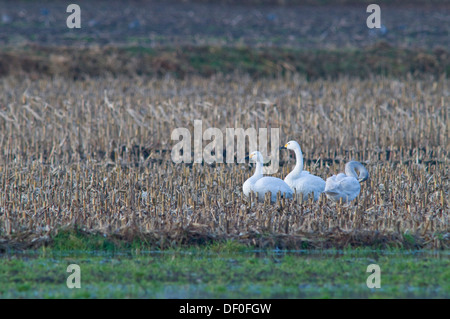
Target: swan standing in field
260, 184
302, 181
346, 186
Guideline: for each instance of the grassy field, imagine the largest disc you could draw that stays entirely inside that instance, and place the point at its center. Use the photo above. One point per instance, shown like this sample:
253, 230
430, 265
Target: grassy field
225, 271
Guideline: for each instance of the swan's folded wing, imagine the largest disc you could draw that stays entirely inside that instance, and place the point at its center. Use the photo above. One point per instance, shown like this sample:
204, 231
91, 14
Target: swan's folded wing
273, 185
332, 186
340, 177
332, 180
350, 186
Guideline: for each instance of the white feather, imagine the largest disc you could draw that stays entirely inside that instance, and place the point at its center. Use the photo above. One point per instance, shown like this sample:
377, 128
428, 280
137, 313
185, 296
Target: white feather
346, 186
261, 185
302, 181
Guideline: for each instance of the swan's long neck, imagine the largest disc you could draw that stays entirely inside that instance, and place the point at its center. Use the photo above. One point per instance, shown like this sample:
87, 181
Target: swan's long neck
259, 169
298, 165
299, 162
350, 170
248, 185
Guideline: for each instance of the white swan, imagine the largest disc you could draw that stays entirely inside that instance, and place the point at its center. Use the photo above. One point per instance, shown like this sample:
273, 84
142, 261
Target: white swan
260, 184
302, 181
346, 186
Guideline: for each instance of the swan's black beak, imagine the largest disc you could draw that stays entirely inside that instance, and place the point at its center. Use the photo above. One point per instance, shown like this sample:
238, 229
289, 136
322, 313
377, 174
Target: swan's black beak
283, 148
246, 158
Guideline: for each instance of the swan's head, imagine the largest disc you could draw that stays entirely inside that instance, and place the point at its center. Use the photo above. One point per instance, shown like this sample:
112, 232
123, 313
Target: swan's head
363, 176
256, 156
291, 145
350, 168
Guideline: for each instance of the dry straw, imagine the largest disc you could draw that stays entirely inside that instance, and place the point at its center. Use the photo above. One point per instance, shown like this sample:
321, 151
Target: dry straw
95, 154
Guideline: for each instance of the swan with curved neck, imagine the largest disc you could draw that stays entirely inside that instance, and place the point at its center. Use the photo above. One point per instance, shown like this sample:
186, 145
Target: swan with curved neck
346, 186
262, 184
302, 181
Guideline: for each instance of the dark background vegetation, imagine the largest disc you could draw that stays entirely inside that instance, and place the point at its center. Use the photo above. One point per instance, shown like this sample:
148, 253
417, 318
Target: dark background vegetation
262, 38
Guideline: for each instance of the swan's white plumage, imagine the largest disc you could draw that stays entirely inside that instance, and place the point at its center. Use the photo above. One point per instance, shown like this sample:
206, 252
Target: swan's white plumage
342, 186
346, 186
302, 181
260, 184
